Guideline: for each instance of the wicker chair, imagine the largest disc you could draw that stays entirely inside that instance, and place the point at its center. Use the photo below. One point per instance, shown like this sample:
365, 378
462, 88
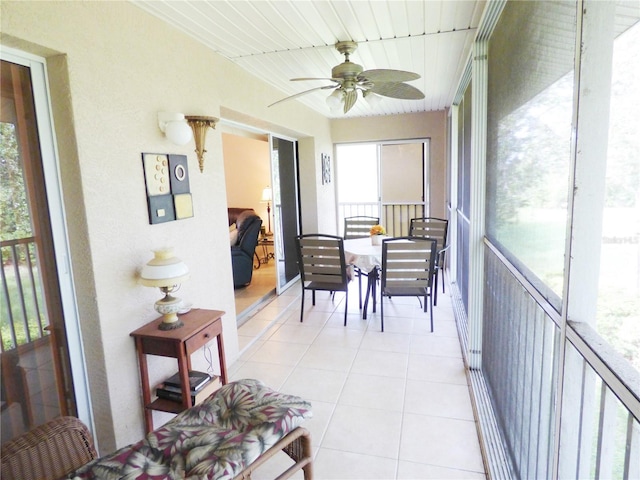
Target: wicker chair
223, 439
48, 452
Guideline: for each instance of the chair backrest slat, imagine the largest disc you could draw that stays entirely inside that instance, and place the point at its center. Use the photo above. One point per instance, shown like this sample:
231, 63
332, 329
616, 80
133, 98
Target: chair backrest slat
321, 259
430, 227
358, 227
408, 262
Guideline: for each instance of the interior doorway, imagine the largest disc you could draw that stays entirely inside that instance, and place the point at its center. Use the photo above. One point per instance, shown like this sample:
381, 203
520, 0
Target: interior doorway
261, 174
248, 182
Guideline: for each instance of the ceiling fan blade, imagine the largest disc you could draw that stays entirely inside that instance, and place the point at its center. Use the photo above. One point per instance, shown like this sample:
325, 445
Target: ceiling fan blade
291, 97
305, 78
384, 75
397, 90
350, 97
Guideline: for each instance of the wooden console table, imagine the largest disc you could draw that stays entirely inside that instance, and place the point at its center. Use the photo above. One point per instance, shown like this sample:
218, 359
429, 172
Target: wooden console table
200, 327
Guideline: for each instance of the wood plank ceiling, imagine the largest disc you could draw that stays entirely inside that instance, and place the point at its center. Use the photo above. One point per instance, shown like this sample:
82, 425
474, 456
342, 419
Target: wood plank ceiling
277, 40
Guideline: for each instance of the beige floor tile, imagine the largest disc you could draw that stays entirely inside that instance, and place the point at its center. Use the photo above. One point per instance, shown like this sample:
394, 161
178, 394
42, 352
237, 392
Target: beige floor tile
354, 320
435, 345
317, 425
364, 430
327, 358
251, 348
280, 353
386, 342
339, 337
437, 369
271, 375
254, 327
442, 442
269, 313
383, 364
245, 341
315, 385
313, 317
373, 391
438, 399
403, 325
296, 333
414, 471
402, 307
339, 465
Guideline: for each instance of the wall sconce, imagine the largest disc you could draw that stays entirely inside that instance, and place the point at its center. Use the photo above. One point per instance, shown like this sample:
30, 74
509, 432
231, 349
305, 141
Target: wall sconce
175, 127
199, 125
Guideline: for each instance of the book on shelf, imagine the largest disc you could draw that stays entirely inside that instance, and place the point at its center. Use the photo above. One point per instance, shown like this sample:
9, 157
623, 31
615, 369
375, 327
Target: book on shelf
171, 388
196, 380
169, 392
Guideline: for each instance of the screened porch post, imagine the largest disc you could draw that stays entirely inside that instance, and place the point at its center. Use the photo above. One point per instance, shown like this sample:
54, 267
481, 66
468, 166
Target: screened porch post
594, 52
453, 192
477, 197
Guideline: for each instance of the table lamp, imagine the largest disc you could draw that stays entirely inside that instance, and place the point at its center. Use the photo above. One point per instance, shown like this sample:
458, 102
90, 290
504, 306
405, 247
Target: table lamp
166, 272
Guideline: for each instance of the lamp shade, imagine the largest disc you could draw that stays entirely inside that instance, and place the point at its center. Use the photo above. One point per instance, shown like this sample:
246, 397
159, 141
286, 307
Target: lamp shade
178, 132
164, 270
372, 99
266, 195
175, 127
335, 99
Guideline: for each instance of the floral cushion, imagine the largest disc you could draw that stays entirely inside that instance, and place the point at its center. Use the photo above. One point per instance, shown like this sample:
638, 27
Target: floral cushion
216, 439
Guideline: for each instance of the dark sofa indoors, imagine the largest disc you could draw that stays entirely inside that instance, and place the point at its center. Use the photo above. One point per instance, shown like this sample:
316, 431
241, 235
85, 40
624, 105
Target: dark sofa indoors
243, 250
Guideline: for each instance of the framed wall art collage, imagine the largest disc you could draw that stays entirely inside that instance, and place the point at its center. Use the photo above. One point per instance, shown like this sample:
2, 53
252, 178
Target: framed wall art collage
168, 192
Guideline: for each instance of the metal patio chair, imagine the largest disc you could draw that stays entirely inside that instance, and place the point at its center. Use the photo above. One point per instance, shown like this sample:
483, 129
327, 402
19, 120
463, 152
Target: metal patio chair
407, 270
359, 227
433, 228
322, 266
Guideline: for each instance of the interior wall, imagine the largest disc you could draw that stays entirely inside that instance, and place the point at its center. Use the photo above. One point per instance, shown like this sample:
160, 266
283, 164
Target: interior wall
432, 125
121, 66
247, 171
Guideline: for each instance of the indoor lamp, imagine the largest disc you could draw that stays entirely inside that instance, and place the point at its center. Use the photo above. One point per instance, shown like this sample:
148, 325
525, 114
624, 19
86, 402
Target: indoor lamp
266, 198
166, 272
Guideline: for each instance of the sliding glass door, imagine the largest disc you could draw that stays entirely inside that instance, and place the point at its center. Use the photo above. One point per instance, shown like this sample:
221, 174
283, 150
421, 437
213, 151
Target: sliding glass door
284, 171
39, 336
385, 180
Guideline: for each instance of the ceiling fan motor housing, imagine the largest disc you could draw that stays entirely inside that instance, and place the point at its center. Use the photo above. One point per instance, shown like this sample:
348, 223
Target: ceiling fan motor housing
346, 70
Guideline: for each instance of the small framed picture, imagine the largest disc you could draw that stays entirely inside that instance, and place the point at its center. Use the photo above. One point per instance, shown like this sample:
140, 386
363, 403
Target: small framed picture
326, 168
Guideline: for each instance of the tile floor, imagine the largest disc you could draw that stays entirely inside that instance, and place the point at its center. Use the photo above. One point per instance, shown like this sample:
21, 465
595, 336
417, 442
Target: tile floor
392, 405
263, 284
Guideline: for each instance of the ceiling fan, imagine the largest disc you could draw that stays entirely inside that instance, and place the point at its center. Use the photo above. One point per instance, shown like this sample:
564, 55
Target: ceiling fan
348, 78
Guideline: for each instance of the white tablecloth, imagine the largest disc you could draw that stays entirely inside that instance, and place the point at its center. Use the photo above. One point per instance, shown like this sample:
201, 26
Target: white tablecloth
362, 254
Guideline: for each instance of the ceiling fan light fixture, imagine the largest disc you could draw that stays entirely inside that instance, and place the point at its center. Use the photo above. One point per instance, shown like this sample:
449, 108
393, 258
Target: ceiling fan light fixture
372, 99
335, 99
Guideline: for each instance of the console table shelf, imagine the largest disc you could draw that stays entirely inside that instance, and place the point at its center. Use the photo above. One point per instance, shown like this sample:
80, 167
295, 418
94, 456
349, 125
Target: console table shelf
200, 327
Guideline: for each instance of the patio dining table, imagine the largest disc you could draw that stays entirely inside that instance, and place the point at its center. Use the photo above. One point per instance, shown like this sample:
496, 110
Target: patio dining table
368, 258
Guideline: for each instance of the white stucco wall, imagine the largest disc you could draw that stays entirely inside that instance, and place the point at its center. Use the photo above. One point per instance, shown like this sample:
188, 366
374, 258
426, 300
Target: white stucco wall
113, 67
247, 165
